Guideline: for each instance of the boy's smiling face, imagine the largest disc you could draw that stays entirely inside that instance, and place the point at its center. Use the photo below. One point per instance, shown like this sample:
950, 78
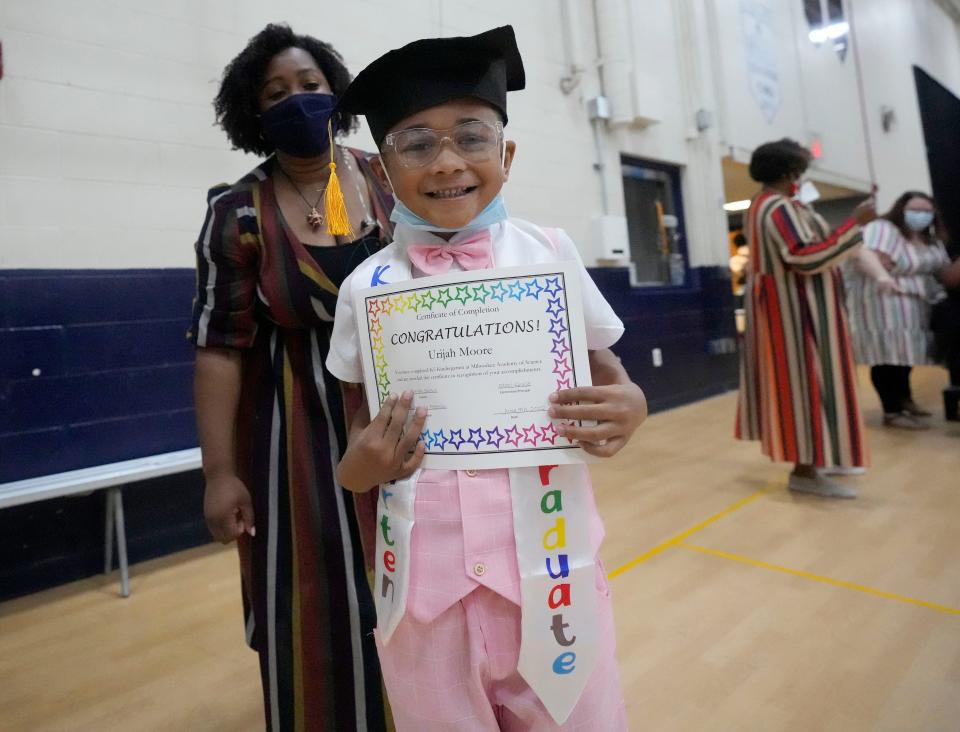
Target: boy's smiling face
449, 191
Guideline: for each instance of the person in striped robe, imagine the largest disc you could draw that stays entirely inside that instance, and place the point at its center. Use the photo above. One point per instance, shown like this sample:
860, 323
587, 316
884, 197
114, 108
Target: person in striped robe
798, 392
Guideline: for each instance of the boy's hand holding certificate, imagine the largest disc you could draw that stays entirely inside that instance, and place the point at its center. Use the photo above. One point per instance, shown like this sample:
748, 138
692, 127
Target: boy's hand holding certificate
482, 351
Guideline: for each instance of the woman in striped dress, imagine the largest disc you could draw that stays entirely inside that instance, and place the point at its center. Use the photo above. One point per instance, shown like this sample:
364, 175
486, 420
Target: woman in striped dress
890, 327
270, 416
798, 382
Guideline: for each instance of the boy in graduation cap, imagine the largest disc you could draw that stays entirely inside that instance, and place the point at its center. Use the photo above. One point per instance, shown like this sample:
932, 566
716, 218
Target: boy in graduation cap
473, 633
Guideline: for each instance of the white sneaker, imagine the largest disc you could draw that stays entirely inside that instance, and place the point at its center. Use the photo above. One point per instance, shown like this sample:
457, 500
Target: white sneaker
840, 470
820, 486
904, 421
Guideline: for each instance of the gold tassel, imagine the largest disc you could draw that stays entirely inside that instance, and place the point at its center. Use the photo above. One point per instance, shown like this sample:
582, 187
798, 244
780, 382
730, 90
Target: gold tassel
338, 218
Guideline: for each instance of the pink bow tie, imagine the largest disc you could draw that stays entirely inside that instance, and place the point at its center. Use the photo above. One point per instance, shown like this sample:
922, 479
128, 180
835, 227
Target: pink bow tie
475, 252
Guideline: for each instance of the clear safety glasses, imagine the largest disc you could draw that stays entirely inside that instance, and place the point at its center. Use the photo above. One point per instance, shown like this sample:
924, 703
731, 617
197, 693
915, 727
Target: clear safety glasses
473, 141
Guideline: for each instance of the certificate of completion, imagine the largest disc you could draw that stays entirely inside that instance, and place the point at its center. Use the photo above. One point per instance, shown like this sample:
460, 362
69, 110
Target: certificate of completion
482, 351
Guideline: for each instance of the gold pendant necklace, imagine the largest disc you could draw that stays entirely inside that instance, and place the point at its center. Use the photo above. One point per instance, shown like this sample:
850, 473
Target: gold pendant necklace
315, 219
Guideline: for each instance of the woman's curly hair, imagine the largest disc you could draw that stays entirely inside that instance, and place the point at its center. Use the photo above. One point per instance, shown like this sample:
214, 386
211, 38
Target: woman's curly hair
236, 106
774, 161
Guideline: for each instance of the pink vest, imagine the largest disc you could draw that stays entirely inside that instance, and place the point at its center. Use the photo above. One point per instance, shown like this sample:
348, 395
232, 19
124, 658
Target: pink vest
463, 537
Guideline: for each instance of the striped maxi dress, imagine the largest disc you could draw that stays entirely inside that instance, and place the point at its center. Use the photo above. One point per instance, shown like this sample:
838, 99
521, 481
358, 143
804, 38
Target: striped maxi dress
894, 329
309, 611
797, 377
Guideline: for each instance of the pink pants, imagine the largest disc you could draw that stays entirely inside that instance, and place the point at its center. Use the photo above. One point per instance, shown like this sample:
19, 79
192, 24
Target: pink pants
459, 673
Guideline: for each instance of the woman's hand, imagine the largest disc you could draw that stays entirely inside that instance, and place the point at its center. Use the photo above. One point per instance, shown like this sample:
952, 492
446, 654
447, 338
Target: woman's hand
227, 508
876, 266
382, 450
885, 260
888, 286
865, 212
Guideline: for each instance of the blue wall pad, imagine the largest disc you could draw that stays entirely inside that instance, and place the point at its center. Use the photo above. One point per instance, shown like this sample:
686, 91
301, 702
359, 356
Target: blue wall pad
693, 326
95, 368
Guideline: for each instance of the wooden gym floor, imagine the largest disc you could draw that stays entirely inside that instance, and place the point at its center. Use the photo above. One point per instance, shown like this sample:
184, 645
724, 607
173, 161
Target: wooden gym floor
739, 606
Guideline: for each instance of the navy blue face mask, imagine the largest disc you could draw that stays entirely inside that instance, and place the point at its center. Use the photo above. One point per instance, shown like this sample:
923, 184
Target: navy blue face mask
298, 124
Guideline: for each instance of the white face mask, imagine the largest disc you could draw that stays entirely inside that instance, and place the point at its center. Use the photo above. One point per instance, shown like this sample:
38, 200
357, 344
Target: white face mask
808, 193
918, 220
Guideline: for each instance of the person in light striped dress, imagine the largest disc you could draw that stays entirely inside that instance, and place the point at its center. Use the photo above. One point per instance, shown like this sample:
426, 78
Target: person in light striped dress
890, 326
798, 393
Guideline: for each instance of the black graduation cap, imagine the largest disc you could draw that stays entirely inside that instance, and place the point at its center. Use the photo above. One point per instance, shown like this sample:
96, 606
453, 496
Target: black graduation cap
432, 71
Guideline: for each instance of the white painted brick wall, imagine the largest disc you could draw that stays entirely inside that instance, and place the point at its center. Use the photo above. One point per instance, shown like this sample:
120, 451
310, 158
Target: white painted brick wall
896, 35
107, 144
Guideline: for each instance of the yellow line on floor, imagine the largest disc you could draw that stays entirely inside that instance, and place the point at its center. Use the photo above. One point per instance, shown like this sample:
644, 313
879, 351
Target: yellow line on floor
821, 578
691, 531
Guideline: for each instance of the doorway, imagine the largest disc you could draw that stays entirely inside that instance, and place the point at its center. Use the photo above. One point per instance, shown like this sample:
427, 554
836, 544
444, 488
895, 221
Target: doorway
655, 227
940, 116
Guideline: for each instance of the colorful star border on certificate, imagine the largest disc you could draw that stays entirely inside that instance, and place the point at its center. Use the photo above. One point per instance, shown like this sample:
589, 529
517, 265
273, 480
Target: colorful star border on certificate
442, 297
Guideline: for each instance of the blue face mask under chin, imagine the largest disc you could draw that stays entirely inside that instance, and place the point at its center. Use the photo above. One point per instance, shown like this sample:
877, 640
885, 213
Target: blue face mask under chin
493, 213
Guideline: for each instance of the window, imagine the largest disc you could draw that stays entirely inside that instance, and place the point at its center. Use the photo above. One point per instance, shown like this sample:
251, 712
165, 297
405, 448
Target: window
828, 24
654, 222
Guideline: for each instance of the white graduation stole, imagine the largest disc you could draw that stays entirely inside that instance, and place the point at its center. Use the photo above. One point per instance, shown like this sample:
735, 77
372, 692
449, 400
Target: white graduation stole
560, 621
395, 516
551, 523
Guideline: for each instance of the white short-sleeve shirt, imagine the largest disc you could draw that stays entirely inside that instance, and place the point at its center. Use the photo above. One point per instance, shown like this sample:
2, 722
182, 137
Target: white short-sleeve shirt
515, 242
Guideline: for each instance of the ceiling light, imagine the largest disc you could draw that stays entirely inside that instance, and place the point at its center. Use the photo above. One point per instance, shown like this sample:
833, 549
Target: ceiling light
830, 32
